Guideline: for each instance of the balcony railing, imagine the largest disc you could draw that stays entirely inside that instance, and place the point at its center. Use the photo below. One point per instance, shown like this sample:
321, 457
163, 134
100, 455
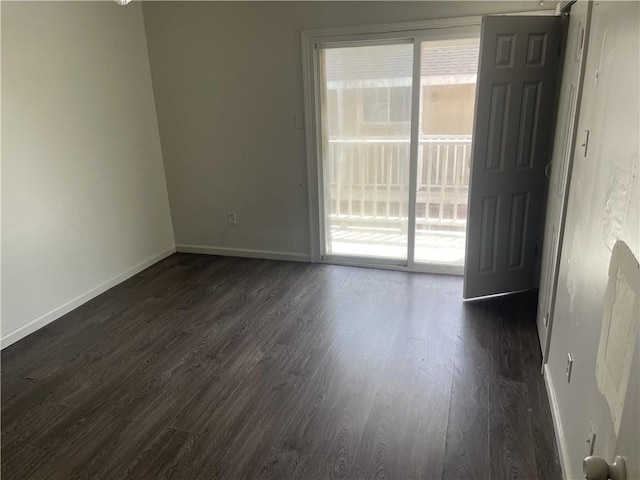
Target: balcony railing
369, 182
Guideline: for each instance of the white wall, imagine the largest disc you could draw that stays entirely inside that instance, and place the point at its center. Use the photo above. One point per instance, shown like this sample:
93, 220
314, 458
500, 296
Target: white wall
0, 170
228, 83
84, 200
610, 112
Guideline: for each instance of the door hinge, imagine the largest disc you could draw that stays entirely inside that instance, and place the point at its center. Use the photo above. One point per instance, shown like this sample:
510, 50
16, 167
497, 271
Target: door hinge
569, 367
585, 142
580, 43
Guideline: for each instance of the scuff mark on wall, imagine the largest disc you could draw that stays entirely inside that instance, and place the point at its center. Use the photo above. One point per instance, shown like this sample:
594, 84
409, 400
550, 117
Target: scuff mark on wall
572, 272
632, 226
616, 207
618, 332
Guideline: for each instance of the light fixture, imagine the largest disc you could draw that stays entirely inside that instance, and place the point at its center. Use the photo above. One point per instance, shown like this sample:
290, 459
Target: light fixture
122, 2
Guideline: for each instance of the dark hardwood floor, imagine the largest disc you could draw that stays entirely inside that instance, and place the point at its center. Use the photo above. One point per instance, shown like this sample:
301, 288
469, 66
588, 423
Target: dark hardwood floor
208, 367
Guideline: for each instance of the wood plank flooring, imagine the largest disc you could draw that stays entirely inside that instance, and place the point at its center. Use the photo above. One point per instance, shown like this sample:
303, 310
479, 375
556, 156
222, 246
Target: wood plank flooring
207, 367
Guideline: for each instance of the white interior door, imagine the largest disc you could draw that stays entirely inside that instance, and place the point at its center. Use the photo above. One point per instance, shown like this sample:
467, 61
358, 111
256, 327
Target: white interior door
513, 126
561, 162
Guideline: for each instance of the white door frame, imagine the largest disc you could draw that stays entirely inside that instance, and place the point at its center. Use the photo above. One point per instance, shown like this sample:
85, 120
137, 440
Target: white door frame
566, 176
413, 32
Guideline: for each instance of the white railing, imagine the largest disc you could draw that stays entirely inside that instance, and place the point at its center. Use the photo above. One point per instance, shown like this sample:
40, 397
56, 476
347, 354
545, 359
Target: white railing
369, 180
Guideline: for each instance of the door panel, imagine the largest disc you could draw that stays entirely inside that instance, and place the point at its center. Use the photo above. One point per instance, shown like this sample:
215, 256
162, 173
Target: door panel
514, 112
366, 129
562, 160
446, 108
395, 134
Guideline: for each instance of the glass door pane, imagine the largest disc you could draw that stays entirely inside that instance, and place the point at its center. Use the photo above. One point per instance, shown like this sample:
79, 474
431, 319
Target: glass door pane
447, 102
366, 129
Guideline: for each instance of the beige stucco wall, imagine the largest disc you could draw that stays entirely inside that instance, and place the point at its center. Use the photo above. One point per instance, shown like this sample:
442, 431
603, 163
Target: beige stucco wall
448, 109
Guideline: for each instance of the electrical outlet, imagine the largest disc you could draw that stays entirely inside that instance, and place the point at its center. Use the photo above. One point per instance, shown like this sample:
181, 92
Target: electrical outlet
591, 439
231, 218
569, 367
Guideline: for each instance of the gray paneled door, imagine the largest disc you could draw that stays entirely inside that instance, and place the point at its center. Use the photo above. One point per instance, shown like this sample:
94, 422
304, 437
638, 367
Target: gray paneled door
512, 145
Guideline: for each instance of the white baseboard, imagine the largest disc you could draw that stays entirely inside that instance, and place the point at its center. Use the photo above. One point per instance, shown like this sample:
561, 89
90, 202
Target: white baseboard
58, 312
557, 425
244, 252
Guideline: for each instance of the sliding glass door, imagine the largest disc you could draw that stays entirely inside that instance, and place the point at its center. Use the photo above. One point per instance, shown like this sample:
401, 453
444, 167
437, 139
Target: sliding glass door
393, 128
447, 102
366, 130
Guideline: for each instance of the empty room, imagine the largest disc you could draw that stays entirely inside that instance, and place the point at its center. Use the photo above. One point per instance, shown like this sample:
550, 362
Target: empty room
320, 239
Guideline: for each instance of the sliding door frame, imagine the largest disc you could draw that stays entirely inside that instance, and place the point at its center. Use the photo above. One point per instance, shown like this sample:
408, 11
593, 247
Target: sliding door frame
312, 42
